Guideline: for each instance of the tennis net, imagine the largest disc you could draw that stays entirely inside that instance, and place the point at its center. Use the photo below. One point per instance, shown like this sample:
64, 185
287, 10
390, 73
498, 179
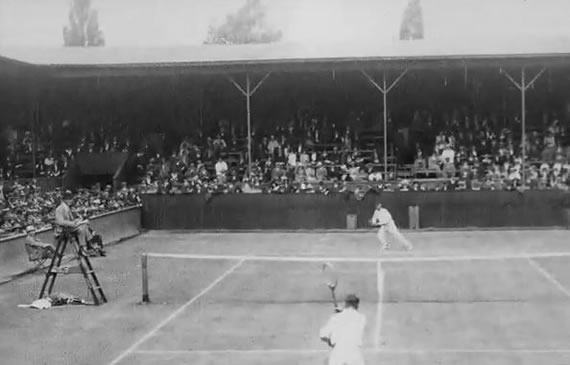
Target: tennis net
265, 280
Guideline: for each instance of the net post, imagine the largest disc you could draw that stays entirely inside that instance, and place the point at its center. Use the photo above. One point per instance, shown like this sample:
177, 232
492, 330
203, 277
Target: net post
144, 266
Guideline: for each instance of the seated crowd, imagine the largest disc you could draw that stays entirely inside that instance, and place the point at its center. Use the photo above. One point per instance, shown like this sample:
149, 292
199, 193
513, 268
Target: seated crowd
26, 205
480, 154
472, 155
318, 157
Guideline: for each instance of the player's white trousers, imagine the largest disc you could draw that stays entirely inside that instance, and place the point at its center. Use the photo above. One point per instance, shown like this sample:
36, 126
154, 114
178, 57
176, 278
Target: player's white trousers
393, 230
346, 356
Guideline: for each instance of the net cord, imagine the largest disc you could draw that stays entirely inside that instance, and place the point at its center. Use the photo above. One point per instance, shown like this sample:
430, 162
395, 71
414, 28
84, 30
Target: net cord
394, 259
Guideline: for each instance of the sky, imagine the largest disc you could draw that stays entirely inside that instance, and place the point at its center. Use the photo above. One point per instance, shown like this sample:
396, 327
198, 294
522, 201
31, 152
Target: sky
185, 22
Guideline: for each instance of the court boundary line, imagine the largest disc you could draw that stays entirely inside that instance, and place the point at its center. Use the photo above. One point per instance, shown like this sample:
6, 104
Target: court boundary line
394, 259
549, 277
394, 351
379, 306
174, 314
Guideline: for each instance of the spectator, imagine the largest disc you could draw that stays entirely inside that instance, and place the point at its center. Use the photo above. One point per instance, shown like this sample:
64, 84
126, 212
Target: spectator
449, 170
549, 151
36, 249
273, 147
374, 176
433, 162
277, 172
304, 158
321, 173
292, 158
221, 169
419, 163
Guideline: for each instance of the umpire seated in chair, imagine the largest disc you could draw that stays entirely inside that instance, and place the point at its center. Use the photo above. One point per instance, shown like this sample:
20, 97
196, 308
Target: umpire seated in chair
67, 224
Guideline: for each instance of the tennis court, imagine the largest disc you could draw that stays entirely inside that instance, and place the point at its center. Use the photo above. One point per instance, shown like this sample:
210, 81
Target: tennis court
259, 298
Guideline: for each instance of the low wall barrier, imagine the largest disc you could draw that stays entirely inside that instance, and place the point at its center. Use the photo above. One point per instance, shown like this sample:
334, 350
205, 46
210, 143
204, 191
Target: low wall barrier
489, 209
114, 227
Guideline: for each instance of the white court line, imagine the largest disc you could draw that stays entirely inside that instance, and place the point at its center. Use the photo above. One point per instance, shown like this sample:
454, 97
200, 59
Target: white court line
174, 314
394, 351
363, 259
231, 352
379, 310
549, 277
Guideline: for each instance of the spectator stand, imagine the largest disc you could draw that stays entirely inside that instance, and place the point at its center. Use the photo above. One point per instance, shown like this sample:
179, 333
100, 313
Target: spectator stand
271, 59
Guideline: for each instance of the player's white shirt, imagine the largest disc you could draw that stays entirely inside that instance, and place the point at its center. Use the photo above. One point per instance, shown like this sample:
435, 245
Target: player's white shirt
381, 217
345, 329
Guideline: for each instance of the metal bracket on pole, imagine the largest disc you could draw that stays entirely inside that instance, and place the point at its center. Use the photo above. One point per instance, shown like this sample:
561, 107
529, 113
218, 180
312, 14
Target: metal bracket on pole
238, 86
248, 92
524, 86
260, 83
511, 79
397, 80
531, 83
384, 89
245, 92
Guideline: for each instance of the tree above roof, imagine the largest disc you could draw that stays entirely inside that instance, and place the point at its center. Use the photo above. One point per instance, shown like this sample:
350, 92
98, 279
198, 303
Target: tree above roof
412, 26
245, 26
83, 29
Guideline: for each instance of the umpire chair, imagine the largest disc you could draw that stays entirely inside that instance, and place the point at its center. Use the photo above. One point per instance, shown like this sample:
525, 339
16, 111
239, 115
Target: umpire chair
69, 236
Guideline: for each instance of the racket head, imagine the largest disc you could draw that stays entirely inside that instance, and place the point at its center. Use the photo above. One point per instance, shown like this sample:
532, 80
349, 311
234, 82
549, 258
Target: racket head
330, 275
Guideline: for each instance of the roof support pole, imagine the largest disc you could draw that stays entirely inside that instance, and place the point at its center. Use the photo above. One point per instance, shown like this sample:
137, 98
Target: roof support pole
201, 108
33, 106
523, 87
248, 109
523, 126
35, 124
385, 107
384, 89
248, 93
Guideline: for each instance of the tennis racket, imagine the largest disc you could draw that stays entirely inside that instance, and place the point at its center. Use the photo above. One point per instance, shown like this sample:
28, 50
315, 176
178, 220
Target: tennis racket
331, 279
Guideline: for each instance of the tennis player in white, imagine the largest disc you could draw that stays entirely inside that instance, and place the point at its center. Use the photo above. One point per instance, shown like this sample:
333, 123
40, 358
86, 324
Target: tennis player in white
343, 332
383, 219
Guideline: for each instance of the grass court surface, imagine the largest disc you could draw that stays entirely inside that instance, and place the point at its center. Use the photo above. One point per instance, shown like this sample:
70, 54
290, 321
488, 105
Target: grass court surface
491, 297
